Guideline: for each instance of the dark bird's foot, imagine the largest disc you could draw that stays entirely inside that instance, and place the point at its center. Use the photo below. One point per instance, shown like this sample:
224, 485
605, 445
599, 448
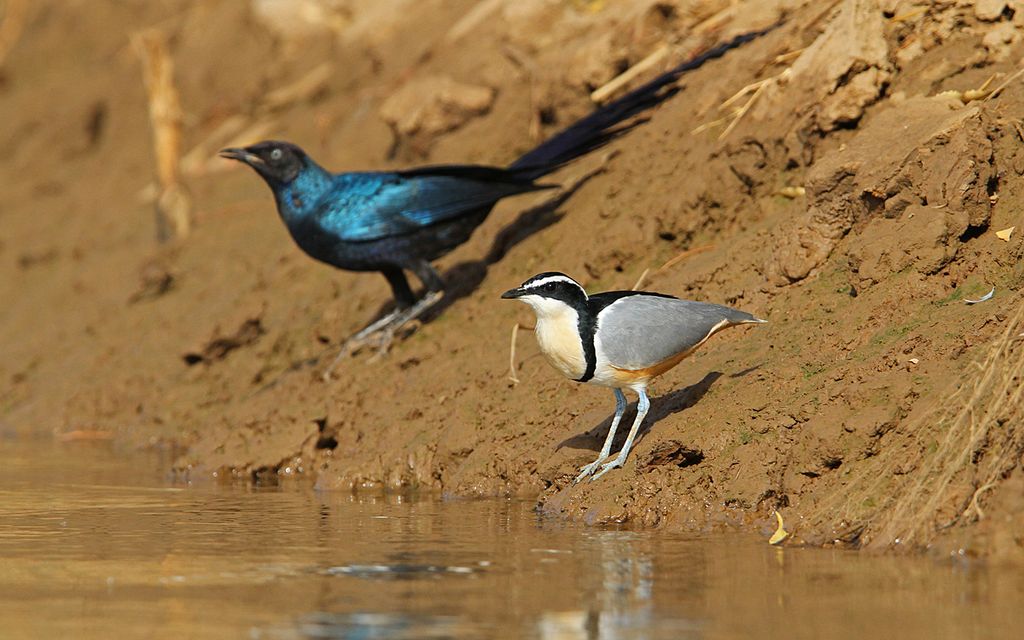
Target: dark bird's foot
381, 333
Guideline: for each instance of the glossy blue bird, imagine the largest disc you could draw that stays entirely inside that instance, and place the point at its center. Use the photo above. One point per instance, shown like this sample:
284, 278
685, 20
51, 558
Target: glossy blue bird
395, 221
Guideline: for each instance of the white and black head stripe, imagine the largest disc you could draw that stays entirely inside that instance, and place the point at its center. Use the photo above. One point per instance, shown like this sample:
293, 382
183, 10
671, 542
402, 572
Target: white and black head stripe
556, 286
538, 281
551, 285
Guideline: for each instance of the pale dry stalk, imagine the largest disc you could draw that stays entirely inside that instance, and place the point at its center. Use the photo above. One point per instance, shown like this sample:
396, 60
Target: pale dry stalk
13, 25
173, 205
512, 352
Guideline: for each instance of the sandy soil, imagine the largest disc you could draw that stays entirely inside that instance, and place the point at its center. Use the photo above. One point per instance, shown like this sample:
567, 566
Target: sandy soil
855, 204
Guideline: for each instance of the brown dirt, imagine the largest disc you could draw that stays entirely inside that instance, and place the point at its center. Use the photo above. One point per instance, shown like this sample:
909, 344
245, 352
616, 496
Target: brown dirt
838, 413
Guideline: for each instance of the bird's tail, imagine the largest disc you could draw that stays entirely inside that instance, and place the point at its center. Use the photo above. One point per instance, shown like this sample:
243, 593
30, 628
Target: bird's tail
737, 317
603, 125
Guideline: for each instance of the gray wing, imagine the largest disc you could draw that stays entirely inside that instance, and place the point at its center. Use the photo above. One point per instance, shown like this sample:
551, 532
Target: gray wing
640, 331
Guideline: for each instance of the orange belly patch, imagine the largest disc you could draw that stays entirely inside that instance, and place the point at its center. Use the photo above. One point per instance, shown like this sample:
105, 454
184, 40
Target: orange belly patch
628, 377
634, 376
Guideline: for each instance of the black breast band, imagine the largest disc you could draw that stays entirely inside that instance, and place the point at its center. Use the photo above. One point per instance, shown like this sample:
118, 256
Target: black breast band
595, 304
587, 326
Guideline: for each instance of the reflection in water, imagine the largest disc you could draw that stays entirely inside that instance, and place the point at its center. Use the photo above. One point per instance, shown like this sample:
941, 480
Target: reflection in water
394, 626
96, 544
398, 570
623, 605
627, 578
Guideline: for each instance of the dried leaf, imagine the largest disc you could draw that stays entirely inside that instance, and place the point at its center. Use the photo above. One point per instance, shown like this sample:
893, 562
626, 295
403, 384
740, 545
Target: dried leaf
780, 533
987, 296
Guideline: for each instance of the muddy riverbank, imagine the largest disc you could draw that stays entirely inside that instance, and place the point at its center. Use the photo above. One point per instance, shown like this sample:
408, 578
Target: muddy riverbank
858, 198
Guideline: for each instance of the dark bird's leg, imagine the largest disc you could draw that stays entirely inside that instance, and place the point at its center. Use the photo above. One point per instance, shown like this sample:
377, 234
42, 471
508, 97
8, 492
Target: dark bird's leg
620, 408
404, 301
434, 292
428, 275
407, 308
400, 289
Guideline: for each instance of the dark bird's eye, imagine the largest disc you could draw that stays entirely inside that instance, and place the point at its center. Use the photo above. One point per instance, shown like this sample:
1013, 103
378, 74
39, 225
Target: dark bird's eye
549, 286
276, 154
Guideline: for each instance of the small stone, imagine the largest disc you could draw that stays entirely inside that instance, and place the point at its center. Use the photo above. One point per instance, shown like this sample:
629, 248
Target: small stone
435, 104
989, 10
998, 41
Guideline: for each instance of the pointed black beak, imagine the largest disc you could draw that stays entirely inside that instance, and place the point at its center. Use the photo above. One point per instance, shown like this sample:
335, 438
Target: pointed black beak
242, 155
512, 294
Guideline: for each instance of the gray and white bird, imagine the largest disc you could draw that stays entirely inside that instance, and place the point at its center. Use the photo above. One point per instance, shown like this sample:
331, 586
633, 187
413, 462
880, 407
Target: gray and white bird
618, 339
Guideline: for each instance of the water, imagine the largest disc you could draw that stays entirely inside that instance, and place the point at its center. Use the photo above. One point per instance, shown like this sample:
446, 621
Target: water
95, 543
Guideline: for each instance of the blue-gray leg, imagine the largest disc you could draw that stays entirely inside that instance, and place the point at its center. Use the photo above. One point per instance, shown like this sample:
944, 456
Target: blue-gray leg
642, 406
620, 408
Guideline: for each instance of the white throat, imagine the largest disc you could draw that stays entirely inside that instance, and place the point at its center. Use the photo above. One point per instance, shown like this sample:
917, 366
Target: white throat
558, 335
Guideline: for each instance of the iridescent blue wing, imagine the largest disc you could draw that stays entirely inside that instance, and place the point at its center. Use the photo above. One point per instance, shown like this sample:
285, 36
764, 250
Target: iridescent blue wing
370, 206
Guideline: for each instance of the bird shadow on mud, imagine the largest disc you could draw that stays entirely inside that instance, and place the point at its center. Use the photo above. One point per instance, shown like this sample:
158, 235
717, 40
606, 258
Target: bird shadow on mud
462, 279
661, 407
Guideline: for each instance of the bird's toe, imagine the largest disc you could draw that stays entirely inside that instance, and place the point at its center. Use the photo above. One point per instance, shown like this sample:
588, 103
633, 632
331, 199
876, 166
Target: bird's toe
587, 469
605, 468
384, 339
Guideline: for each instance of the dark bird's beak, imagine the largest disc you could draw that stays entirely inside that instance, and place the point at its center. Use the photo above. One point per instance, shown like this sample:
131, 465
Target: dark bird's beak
241, 155
512, 294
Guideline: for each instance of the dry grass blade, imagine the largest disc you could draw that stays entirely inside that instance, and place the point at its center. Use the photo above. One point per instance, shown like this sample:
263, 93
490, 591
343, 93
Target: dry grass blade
640, 281
613, 86
716, 21
683, 256
742, 111
174, 210
512, 352
1005, 83
710, 125
753, 87
980, 93
754, 90
512, 355
669, 264
789, 56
